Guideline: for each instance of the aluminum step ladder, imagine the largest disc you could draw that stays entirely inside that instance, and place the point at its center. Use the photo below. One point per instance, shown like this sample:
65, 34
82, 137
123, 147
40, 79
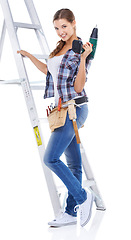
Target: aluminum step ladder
23, 80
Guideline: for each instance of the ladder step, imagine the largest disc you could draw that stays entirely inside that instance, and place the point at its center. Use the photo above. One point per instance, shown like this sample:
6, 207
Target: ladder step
27, 25
40, 56
43, 120
14, 81
38, 85
88, 183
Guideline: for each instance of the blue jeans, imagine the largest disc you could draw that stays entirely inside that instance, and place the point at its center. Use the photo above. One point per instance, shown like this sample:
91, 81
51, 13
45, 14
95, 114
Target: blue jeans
63, 140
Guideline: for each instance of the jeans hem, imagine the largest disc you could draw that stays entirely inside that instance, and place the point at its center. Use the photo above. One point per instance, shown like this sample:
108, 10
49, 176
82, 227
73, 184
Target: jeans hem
72, 214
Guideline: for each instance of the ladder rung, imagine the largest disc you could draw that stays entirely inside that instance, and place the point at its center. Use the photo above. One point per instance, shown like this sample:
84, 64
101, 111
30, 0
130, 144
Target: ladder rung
43, 120
88, 183
27, 25
40, 56
37, 87
14, 81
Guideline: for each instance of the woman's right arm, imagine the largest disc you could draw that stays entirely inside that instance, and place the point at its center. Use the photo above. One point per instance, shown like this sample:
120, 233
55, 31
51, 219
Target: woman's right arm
40, 65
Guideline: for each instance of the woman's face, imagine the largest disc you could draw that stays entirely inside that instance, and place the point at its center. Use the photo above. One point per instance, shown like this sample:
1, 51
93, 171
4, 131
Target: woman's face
64, 29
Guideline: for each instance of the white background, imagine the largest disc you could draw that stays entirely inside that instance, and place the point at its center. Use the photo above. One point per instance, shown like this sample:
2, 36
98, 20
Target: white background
25, 207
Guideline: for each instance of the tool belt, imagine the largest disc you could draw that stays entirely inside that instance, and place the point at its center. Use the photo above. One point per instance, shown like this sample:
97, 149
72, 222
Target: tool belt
57, 116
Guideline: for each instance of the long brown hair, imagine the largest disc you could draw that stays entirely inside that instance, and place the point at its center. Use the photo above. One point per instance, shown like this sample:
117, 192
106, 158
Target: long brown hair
69, 16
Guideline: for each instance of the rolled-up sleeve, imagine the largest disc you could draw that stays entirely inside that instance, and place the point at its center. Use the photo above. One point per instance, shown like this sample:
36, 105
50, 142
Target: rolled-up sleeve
73, 68
67, 73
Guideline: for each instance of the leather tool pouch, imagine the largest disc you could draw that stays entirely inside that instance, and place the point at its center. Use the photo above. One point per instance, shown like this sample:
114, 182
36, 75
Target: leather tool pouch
72, 110
57, 118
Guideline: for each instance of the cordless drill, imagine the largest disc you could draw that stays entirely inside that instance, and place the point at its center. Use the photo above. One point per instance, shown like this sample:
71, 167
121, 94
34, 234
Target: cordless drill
77, 44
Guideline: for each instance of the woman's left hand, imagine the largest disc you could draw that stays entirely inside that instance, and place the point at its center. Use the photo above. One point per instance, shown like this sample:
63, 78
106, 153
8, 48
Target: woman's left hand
88, 49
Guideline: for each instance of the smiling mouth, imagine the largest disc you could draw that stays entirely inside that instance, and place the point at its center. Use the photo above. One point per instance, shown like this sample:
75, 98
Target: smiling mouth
63, 35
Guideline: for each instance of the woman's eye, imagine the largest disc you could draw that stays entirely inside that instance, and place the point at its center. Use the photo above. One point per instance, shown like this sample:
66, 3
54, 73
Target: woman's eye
56, 28
64, 26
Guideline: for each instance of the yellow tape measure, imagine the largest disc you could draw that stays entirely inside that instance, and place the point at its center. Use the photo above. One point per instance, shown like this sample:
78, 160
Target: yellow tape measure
37, 135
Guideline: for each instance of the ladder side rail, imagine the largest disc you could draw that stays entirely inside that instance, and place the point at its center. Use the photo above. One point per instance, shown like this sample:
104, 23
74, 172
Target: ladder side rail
18, 58
88, 171
39, 33
89, 175
2, 38
29, 101
98, 200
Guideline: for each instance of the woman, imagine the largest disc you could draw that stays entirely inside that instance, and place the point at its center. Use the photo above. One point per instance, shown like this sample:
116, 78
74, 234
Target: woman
66, 77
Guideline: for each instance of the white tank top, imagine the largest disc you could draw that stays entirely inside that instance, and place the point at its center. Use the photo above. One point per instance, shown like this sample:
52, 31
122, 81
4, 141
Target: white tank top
53, 65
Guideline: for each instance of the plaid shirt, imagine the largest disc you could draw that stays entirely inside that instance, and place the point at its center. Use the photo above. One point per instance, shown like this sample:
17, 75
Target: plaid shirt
67, 73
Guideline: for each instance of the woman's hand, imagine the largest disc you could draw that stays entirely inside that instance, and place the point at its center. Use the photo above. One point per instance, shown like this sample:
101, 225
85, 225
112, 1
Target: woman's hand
23, 53
40, 65
88, 49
